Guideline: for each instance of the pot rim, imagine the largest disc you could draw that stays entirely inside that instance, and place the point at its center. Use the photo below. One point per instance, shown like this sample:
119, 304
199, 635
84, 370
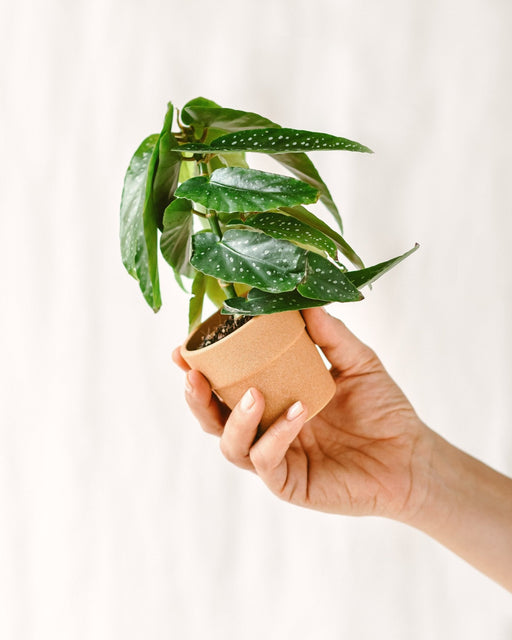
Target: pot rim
209, 347
245, 349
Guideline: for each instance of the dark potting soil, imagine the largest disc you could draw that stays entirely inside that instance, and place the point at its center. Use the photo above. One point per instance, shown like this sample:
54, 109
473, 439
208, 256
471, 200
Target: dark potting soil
230, 324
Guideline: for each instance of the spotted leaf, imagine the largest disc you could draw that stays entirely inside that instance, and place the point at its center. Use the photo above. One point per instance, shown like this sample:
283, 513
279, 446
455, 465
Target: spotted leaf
235, 189
286, 227
249, 257
261, 303
203, 113
366, 276
325, 281
275, 140
309, 218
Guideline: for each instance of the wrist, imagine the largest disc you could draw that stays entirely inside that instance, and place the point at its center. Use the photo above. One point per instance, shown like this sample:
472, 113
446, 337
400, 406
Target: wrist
465, 505
436, 474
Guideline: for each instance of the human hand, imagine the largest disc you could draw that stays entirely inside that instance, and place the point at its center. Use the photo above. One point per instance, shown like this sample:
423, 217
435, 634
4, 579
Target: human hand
361, 455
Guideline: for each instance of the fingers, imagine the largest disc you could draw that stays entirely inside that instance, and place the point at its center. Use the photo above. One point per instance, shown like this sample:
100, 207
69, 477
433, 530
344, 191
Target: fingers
178, 359
239, 430
269, 454
241, 427
341, 347
203, 404
210, 413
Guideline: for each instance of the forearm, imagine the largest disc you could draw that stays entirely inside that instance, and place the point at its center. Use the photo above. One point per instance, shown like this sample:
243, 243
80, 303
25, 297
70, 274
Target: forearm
468, 509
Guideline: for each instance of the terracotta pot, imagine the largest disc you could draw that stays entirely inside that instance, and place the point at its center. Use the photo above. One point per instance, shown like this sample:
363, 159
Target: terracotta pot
273, 353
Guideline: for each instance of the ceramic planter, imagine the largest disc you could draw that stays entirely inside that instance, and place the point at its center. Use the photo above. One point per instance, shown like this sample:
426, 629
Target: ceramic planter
270, 352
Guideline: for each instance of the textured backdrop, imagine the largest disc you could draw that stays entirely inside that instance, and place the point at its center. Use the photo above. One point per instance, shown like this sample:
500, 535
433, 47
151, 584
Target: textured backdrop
119, 518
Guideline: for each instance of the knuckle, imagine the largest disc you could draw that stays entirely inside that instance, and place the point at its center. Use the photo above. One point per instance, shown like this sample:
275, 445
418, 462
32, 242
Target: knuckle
370, 360
209, 428
227, 451
258, 459
193, 402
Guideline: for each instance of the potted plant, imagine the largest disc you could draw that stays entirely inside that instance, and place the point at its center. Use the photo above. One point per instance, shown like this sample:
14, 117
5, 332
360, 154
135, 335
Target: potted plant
245, 239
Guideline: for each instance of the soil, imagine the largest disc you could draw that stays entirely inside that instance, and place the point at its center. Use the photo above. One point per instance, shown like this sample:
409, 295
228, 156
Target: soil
230, 324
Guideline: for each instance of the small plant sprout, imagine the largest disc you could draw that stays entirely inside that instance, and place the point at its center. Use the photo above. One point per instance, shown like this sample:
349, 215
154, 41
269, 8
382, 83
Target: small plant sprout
242, 237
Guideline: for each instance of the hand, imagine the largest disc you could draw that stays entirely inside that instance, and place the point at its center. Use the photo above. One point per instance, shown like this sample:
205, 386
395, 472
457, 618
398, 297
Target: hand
361, 455
367, 453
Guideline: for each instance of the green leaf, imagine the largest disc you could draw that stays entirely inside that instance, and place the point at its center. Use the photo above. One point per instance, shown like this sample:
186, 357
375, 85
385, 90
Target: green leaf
150, 221
237, 189
214, 291
242, 289
197, 128
175, 239
207, 114
275, 140
249, 257
325, 281
187, 171
309, 218
286, 227
168, 168
160, 186
211, 134
230, 120
227, 160
195, 308
262, 303
366, 276
302, 167
133, 243
179, 281
199, 103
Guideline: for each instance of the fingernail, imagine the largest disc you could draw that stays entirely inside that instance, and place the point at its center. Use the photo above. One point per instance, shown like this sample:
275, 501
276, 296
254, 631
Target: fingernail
295, 410
188, 384
247, 401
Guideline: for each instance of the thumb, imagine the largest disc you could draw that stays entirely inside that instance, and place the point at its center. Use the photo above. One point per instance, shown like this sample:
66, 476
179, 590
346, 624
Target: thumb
341, 347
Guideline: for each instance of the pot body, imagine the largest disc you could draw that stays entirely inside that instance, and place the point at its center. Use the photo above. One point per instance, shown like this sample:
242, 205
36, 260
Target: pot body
273, 353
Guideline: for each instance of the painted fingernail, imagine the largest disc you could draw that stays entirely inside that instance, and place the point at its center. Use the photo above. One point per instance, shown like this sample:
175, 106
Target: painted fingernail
188, 384
295, 410
247, 401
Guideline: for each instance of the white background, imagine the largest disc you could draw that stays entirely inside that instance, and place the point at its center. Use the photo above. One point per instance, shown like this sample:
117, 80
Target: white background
119, 518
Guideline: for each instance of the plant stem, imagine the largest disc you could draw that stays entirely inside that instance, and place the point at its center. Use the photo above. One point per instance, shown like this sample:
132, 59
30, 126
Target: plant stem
214, 223
229, 289
213, 219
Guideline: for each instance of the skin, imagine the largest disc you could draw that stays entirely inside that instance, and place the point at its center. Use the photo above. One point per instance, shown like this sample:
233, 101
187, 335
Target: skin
366, 453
